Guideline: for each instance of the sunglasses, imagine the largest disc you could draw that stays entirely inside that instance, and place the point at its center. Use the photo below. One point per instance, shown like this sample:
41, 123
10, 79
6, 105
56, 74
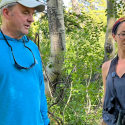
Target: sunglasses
15, 62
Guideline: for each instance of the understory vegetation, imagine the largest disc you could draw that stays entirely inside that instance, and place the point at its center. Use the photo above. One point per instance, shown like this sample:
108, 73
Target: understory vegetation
78, 95
77, 98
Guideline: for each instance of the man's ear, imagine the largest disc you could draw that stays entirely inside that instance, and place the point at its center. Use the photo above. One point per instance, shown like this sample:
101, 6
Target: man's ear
6, 13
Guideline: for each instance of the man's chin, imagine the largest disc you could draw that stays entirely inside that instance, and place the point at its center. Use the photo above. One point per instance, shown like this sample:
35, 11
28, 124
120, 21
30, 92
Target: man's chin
25, 33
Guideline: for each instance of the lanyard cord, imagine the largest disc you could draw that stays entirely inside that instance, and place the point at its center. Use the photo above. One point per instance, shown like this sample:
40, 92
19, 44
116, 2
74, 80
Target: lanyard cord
6, 41
17, 65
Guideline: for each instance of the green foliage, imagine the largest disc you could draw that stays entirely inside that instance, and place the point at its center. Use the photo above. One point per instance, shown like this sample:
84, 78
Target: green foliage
41, 26
85, 51
81, 76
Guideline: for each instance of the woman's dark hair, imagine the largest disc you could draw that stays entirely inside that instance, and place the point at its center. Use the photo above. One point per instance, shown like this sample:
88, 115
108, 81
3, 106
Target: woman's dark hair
115, 26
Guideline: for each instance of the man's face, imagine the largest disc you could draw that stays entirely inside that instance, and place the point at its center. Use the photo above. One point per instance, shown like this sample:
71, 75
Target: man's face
20, 20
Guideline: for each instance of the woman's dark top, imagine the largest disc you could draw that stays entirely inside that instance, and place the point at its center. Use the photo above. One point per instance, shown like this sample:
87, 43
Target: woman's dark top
111, 91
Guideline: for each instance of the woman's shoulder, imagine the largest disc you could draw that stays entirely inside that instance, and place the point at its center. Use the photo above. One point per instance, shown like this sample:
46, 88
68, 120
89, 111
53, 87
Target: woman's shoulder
106, 64
105, 67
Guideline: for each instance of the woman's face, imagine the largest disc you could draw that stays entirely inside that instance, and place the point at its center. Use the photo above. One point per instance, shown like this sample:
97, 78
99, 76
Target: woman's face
120, 36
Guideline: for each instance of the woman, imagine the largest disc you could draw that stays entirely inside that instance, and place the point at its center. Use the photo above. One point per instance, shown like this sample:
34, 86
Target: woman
113, 74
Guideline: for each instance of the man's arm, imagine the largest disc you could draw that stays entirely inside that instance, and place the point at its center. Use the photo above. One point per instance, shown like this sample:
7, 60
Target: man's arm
43, 105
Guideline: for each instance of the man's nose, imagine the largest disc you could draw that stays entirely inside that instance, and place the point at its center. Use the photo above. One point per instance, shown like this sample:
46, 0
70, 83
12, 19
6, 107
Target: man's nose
30, 18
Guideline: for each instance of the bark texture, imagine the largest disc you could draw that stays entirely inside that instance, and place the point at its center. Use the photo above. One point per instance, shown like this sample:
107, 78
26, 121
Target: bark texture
109, 41
57, 38
75, 5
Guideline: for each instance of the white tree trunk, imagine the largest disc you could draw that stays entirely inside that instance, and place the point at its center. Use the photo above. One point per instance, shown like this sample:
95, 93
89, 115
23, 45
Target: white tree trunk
109, 42
123, 12
57, 38
75, 5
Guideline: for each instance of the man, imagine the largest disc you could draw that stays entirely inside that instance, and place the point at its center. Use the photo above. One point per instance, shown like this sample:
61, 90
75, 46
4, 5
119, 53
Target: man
22, 98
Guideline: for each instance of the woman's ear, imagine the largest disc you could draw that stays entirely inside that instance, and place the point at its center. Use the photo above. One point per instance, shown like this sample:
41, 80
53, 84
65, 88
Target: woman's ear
6, 13
113, 35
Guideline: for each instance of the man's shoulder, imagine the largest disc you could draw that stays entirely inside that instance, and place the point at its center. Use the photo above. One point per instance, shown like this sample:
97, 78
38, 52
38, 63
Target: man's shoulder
1, 36
33, 47
30, 42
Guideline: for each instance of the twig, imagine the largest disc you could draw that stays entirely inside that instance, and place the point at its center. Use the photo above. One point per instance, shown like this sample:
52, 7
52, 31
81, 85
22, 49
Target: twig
60, 94
56, 118
88, 97
67, 101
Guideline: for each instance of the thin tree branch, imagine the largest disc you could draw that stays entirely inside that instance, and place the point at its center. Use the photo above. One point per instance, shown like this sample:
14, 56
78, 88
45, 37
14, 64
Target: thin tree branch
56, 118
67, 101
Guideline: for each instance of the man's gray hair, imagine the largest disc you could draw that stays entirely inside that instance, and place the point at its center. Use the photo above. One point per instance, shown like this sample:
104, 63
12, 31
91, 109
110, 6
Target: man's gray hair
8, 6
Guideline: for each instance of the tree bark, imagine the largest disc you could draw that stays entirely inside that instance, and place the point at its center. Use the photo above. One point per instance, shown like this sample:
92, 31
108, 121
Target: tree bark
57, 38
109, 41
75, 5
